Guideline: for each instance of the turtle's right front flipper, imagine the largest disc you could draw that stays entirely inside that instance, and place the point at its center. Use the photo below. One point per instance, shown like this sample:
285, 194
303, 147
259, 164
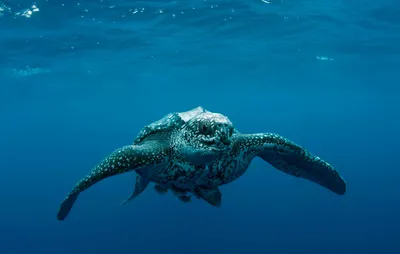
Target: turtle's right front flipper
125, 159
291, 159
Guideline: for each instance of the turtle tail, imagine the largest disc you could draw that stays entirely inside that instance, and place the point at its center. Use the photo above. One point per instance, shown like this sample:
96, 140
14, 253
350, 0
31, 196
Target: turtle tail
120, 161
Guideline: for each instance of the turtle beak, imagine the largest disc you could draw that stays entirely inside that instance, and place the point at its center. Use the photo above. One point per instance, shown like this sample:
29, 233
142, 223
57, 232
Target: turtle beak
224, 137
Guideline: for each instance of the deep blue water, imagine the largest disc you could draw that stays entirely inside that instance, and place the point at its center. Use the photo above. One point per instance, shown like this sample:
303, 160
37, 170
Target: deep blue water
79, 79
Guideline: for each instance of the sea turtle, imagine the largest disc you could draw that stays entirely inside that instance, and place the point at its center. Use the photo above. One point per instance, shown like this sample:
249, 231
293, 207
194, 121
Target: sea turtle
169, 122
196, 152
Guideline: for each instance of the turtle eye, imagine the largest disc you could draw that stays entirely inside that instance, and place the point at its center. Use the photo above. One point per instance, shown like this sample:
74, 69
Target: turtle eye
204, 129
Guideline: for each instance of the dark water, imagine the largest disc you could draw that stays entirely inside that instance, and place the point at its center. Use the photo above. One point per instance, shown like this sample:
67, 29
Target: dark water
79, 79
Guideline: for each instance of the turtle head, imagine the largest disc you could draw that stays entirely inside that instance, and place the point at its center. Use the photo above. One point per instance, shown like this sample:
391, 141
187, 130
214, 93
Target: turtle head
206, 136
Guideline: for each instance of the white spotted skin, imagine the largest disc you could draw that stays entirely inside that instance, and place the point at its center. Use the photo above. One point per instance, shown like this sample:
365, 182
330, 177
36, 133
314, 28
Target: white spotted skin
169, 122
233, 161
229, 164
200, 149
145, 159
202, 154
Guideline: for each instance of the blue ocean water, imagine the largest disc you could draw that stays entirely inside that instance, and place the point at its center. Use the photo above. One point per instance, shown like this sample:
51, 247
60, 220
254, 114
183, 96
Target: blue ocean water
79, 79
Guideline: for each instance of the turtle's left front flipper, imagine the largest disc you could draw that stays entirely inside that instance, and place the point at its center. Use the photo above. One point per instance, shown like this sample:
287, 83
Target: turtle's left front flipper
125, 159
292, 159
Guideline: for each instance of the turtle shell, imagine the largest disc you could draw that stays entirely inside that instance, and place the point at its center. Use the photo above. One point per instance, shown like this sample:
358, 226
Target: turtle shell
171, 121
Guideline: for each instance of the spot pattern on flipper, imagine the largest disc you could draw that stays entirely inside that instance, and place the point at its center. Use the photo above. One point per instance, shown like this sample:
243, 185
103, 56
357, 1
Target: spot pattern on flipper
143, 156
282, 153
292, 159
121, 161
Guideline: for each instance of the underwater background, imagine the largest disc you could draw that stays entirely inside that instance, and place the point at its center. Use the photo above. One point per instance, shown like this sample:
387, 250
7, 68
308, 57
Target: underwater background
79, 79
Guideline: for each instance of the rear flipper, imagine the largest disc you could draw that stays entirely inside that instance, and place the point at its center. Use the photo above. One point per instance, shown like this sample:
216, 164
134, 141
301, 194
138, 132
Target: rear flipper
185, 199
213, 196
178, 192
159, 189
140, 185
